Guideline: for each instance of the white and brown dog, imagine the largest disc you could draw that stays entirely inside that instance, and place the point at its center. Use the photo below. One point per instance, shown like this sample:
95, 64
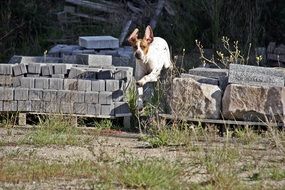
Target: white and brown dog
152, 55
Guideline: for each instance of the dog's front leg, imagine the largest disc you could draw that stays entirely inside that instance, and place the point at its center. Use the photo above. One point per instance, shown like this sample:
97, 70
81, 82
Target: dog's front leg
152, 77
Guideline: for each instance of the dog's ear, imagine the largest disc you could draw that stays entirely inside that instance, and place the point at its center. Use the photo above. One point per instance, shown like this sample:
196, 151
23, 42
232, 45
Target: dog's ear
148, 35
133, 37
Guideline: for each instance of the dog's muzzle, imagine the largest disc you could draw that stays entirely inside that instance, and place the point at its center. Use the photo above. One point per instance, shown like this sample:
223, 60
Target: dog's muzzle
138, 55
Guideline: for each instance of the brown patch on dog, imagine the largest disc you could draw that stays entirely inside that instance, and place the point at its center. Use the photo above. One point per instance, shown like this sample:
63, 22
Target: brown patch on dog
144, 46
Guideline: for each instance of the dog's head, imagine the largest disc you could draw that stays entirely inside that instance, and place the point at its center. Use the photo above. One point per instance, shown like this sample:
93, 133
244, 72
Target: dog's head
141, 46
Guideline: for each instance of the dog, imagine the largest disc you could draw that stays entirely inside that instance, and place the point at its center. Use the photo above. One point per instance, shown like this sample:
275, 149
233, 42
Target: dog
152, 55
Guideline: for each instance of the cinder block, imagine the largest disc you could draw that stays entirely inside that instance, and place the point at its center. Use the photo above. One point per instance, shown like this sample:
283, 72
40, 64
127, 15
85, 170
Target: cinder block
1, 105
61, 76
6, 69
98, 85
66, 107
6, 80
121, 109
105, 97
49, 95
93, 109
105, 74
46, 70
98, 42
41, 83
19, 69
6, 93
52, 107
16, 81
112, 85
27, 82
84, 85
70, 84
10, 105
34, 68
65, 96
35, 94
24, 106
77, 96
92, 97
80, 108
56, 83
118, 96
107, 110
60, 69
94, 60
21, 94
38, 106
75, 72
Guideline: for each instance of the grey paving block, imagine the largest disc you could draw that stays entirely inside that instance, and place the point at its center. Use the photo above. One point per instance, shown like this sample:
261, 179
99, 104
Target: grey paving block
123, 73
10, 105
33, 59
118, 96
84, 85
42, 83
56, 83
112, 85
121, 108
105, 97
60, 76
38, 106
201, 79
34, 68
76, 72
77, 96
51, 107
98, 85
105, 74
92, 97
66, 107
19, 69
60, 68
6, 93
6, 69
16, 81
98, 42
35, 94
47, 70
107, 110
94, 60
62, 49
1, 105
6, 80
24, 106
27, 82
33, 75
113, 52
70, 84
21, 94
80, 108
93, 109
49, 95
65, 96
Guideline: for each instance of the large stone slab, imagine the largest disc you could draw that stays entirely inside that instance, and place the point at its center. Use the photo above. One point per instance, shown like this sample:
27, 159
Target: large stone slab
98, 42
201, 79
195, 100
253, 103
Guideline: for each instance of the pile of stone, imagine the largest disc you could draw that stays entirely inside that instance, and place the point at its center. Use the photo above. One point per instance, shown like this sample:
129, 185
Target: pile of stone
242, 92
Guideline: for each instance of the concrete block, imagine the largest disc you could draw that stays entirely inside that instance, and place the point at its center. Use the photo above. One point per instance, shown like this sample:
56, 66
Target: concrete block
6, 80
6, 93
27, 82
65, 96
84, 85
60, 68
49, 95
105, 74
34, 68
123, 73
70, 84
66, 107
10, 105
46, 70
16, 81
105, 97
24, 106
118, 96
1, 105
35, 94
107, 110
33, 75
93, 109
62, 49
121, 108
80, 108
112, 85
33, 59
60, 76
52, 107
123, 61
98, 42
56, 83
201, 79
94, 60
77, 96
92, 97
6, 69
76, 72
38, 106
42, 83
21, 94
19, 69
98, 85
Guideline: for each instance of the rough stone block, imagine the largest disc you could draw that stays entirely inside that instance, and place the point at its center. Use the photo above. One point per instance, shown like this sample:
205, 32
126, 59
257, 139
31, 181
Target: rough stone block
38, 106
93, 109
49, 95
56, 83
105, 97
118, 96
19, 69
92, 97
34, 68
24, 106
105, 74
6, 93
10, 106
66, 107
52, 107
84, 85
80, 108
35, 94
121, 109
201, 79
27, 82
42, 83
76, 72
112, 85
98, 42
6, 69
107, 110
60, 68
21, 94
94, 60
98, 85
6, 80
46, 70
70, 84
